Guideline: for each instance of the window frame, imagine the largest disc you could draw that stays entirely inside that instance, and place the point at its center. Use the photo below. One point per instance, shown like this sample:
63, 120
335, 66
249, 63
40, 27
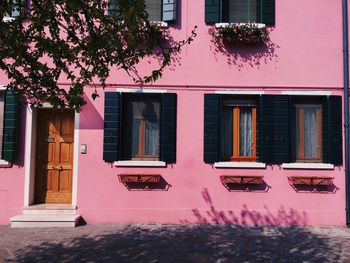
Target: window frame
237, 105
300, 140
140, 156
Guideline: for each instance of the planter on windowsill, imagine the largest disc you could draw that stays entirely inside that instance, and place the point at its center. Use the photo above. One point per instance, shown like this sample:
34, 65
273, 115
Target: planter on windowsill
240, 34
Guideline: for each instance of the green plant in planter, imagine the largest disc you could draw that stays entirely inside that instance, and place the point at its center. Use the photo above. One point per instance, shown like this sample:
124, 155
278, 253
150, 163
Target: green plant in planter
249, 34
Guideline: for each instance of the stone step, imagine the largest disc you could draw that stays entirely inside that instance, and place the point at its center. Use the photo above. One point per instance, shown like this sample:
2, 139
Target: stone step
46, 220
49, 212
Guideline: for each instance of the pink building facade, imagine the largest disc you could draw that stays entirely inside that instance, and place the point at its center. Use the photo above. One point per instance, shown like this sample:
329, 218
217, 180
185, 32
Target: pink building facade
223, 137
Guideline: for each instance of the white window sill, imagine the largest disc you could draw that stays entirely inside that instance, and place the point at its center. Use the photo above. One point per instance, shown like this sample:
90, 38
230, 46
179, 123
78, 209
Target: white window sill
8, 19
221, 25
4, 164
140, 164
239, 165
160, 24
324, 166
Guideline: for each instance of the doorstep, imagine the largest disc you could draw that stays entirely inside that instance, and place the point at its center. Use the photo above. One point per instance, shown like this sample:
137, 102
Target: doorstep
47, 215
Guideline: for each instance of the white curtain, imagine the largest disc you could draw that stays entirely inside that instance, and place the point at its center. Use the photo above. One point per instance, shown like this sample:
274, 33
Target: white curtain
152, 137
246, 132
310, 132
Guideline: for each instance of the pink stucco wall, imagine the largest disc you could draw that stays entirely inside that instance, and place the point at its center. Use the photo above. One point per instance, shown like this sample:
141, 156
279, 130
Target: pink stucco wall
305, 54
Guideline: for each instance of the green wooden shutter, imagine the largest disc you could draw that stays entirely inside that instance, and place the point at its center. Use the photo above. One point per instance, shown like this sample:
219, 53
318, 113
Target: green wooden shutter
274, 129
332, 142
267, 12
212, 11
112, 117
10, 126
169, 10
168, 128
211, 128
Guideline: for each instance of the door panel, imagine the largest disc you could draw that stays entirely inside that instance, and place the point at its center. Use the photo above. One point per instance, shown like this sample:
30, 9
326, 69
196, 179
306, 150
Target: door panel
55, 140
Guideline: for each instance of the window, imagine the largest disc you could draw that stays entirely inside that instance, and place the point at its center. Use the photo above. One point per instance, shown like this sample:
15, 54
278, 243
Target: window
238, 130
240, 11
141, 127
273, 129
309, 132
19, 6
158, 10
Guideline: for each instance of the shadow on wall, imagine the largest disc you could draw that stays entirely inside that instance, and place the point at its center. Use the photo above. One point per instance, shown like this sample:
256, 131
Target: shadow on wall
243, 55
90, 118
178, 243
283, 217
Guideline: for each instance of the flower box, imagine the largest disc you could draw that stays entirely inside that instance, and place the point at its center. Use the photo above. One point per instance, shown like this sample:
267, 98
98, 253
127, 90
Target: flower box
139, 178
311, 180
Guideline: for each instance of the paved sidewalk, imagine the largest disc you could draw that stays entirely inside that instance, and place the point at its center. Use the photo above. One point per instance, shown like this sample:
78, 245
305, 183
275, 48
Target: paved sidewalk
175, 243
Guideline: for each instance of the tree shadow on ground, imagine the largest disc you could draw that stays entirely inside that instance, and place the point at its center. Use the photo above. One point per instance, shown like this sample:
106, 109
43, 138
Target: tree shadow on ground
219, 237
186, 243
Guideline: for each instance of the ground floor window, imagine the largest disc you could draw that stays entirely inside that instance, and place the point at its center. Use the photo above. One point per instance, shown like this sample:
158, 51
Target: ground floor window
238, 130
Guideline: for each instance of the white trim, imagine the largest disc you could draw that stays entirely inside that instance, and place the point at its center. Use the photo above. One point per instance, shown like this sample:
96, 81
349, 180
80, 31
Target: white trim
160, 24
239, 165
140, 163
325, 166
306, 93
29, 163
3, 87
75, 159
4, 164
141, 90
8, 19
240, 92
221, 25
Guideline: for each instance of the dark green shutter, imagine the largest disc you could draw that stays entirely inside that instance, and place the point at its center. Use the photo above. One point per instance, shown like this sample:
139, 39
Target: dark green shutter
111, 137
212, 11
293, 130
211, 128
267, 12
10, 126
274, 129
168, 128
169, 10
332, 130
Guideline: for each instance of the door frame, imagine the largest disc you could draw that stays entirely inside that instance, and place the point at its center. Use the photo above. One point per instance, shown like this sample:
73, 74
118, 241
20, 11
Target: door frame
30, 154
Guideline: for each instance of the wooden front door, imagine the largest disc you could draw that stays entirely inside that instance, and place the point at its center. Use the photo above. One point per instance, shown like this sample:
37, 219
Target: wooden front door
54, 156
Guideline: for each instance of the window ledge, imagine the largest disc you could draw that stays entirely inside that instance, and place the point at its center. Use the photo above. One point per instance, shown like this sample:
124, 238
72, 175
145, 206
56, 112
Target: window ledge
160, 24
221, 25
239, 165
8, 19
4, 164
140, 163
325, 166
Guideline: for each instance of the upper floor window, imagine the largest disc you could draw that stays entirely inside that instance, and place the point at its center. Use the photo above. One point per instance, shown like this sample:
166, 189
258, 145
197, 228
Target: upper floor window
240, 11
158, 10
19, 6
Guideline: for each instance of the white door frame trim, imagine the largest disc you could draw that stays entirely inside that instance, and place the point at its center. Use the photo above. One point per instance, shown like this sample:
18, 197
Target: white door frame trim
29, 159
